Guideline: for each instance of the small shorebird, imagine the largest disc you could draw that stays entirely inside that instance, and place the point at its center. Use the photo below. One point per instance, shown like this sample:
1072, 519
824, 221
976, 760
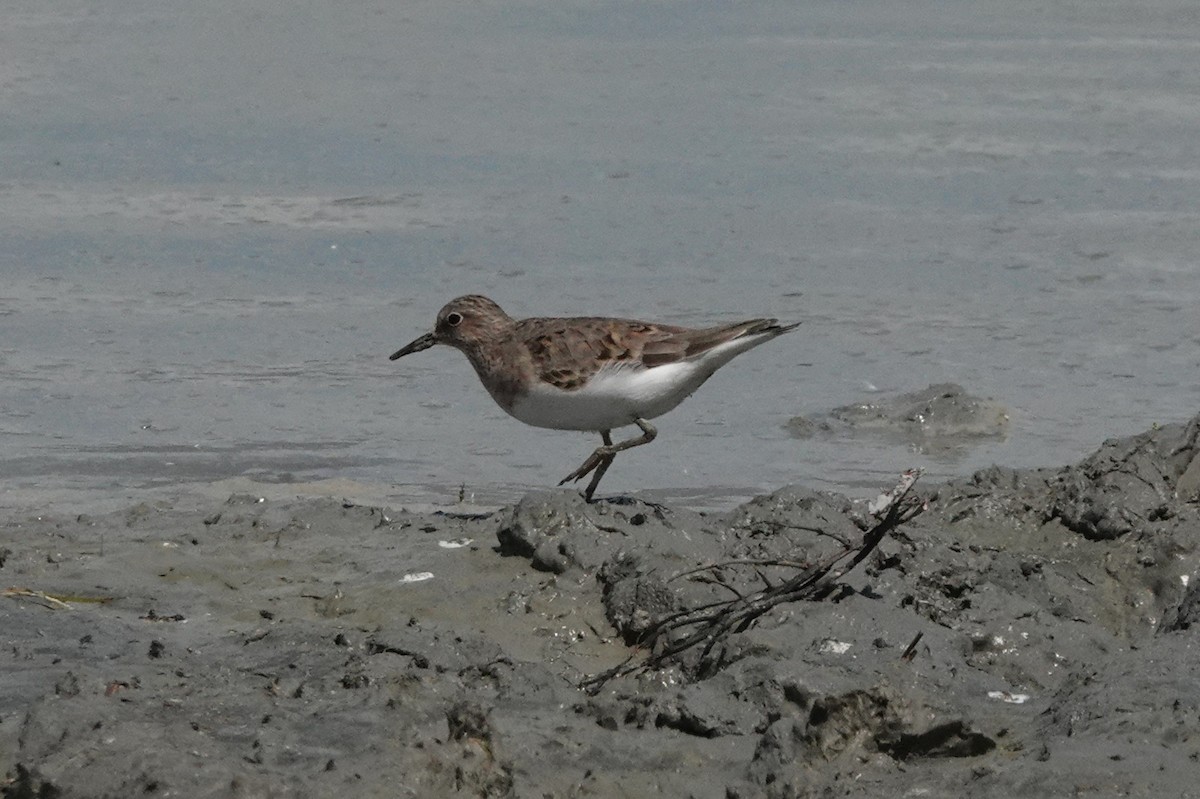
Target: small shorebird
588, 373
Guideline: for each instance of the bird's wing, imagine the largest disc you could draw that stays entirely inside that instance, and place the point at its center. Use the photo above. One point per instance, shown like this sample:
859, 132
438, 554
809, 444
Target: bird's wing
566, 352
688, 343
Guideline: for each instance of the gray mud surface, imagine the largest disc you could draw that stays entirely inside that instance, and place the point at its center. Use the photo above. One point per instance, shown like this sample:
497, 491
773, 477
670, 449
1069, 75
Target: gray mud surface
939, 419
318, 648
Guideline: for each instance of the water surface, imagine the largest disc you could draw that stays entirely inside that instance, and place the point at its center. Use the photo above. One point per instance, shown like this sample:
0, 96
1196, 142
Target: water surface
218, 221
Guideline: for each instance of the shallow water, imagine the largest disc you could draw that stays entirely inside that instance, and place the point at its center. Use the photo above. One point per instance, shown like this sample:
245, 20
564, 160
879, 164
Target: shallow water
219, 221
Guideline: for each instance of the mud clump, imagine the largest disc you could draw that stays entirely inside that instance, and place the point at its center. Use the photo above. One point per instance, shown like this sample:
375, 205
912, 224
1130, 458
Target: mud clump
941, 418
1033, 632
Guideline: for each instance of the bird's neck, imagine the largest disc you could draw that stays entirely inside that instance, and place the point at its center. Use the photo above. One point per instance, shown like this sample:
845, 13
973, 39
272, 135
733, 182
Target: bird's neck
501, 369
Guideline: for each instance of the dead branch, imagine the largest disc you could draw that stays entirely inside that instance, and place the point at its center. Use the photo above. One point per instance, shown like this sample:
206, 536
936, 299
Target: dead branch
711, 623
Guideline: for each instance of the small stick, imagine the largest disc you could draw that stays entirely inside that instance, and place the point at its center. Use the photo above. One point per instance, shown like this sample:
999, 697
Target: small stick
911, 651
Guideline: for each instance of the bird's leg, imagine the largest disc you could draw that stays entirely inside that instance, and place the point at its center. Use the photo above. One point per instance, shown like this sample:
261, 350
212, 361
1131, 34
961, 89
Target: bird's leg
602, 458
598, 461
601, 468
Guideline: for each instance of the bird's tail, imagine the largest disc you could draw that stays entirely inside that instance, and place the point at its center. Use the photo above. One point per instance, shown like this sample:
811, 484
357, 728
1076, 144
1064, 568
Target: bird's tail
758, 326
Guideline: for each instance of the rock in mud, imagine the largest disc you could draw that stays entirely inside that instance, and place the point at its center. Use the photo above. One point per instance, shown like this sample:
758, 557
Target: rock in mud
941, 417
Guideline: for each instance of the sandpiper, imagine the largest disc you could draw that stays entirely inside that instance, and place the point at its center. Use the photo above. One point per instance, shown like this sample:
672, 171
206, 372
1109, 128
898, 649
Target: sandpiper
588, 373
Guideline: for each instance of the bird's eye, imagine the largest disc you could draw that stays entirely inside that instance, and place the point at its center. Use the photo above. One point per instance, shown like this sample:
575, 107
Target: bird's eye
454, 319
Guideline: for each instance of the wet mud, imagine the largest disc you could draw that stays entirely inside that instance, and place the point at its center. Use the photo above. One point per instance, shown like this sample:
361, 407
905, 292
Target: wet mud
941, 419
1030, 633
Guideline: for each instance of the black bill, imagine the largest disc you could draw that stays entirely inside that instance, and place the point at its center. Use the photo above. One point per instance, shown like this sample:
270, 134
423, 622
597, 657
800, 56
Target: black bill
423, 343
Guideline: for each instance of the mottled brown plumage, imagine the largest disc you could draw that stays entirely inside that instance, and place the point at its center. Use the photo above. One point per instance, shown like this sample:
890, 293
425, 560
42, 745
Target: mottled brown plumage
566, 352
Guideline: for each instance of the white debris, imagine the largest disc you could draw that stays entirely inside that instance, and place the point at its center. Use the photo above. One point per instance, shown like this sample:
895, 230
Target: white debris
417, 577
832, 647
1009, 697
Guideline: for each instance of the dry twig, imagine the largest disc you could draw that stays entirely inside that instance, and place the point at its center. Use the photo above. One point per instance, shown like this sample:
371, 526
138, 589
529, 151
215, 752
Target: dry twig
41, 597
711, 623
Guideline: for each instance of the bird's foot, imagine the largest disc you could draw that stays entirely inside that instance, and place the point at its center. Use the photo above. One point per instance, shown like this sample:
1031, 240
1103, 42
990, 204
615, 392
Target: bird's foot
601, 456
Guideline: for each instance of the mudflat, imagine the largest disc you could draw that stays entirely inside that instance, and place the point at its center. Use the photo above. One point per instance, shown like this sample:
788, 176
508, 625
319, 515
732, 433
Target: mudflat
1032, 633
